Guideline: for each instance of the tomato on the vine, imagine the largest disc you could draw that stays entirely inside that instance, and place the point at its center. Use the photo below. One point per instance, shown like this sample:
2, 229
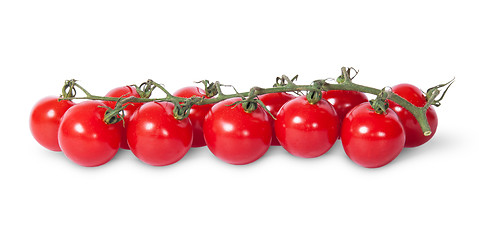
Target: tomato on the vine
414, 135
85, 138
372, 139
124, 92
156, 137
343, 101
197, 113
274, 102
45, 120
236, 136
307, 130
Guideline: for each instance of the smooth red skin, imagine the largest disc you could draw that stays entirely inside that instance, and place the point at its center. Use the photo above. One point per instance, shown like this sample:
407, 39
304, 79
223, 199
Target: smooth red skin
414, 134
45, 119
343, 101
197, 113
307, 130
274, 102
235, 136
85, 138
156, 137
125, 91
370, 139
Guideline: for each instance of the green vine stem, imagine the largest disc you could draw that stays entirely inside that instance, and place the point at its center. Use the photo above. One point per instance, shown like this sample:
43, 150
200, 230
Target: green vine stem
287, 85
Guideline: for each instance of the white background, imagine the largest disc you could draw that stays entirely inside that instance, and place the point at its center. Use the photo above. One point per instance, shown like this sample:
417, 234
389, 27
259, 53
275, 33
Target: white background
429, 192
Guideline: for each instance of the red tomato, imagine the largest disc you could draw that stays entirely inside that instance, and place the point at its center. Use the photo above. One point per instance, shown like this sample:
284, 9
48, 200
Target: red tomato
371, 139
197, 113
45, 120
235, 136
307, 130
273, 102
125, 91
85, 138
343, 101
156, 137
414, 135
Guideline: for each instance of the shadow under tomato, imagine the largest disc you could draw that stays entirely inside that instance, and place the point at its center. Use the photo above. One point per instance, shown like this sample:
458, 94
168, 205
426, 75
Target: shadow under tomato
335, 150
441, 142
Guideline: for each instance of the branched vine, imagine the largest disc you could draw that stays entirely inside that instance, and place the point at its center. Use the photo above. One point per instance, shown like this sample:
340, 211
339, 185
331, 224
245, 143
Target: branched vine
250, 101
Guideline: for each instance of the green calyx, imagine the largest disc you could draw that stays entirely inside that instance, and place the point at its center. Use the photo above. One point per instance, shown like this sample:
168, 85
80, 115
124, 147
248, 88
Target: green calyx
210, 88
314, 96
249, 106
380, 104
345, 76
145, 89
114, 115
181, 111
433, 92
68, 89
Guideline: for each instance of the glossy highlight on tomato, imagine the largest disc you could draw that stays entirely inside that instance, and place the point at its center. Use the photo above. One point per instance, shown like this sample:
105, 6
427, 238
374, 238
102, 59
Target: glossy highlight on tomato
124, 92
307, 130
235, 136
156, 137
274, 102
414, 134
197, 113
372, 139
45, 121
85, 138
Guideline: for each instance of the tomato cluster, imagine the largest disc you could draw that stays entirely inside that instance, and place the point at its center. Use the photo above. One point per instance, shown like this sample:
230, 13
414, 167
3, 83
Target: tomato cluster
232, 133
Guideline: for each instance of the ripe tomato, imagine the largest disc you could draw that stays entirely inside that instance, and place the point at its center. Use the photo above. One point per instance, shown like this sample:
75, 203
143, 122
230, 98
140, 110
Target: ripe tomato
273, 102
371, 139
235, 136
125, 91
414, 135
307, 130
343, 101
45, 120
85, 138
197, 113
156, 137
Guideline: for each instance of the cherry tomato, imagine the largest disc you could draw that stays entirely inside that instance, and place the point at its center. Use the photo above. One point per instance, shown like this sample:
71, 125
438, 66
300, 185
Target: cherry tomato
307, 130
371, 139
197, 113
85, 138
414, 135
273, 102
125, 91
45, 120
156, 137
343, 101
235, 136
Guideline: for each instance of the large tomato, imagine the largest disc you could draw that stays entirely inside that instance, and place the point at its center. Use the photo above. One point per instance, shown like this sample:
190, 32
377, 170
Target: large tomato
371, 139
45, 120
156, 137
235, 136
343, 101
125, 91
307, 130
414, 135
85, 138
197, 113
274, 102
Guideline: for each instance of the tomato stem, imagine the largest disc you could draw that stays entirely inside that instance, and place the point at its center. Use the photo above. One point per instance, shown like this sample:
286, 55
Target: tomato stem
283, 84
